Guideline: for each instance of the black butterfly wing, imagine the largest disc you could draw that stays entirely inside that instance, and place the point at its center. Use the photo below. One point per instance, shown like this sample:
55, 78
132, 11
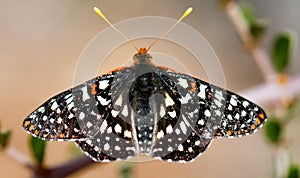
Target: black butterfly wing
203, 112
235, 115
74, 114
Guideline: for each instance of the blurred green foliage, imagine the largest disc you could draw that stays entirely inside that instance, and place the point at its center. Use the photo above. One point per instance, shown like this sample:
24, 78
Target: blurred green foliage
4, 138
281, 51
37, 147
256, 26
293, 171
126, 170
273, 130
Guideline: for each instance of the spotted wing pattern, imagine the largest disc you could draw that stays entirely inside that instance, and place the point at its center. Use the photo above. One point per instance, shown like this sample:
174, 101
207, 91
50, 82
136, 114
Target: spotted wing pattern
144, 110
183, 134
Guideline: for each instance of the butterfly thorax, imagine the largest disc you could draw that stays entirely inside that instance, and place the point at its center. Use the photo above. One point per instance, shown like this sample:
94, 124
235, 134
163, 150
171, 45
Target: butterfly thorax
142, 58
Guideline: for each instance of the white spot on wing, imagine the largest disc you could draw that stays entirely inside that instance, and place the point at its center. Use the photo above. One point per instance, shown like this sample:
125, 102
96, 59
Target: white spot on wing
127, 134
185, 99
125, 111
119, 101
162, 111
85, 94
102, 101
103, 84
106, 146
103, 126
233, 101
183, 127
201, 94
160, 134
183, 82
169, 101
118, 128
169, 129
114, 113
172, 114
54, 105
180, 147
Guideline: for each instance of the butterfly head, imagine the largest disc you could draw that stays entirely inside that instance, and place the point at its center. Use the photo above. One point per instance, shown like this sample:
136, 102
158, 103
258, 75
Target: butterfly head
142, 57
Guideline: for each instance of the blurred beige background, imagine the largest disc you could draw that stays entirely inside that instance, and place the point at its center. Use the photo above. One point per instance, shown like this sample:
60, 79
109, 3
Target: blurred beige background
40, 44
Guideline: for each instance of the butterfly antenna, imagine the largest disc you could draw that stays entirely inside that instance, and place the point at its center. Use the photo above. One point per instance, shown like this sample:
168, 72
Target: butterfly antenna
185, 14
98, 11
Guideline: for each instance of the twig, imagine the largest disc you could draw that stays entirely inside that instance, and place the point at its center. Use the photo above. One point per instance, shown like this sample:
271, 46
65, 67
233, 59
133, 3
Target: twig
273, 91
233, 11
70, 167
20, 157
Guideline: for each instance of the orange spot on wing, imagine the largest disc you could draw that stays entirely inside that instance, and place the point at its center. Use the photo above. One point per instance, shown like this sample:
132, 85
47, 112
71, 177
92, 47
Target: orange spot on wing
239, 132
51, 136
193, 87
261, 115
61, 135
218, 133
253, 126
94, 89
257, 121
26, 123
229, 132
73, 136
246, 130
36, 132
31, 127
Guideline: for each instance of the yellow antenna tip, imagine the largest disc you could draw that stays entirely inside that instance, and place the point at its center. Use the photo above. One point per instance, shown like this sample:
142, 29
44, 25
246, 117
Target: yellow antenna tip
187, 12
98, 11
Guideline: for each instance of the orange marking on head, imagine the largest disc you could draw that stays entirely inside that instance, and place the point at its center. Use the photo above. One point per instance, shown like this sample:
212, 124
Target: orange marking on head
261, 115
142, 50
31, 127
94, 89
257, 121
61, 135
36, 132
26, 123
253, 126
229, 132
193, 87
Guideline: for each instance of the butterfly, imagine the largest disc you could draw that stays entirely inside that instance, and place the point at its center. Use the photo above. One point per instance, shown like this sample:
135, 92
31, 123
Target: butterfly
144, 109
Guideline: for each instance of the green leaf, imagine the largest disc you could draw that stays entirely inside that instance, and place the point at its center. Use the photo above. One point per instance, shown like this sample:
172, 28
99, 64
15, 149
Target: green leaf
281, 51
273, 130
38, 147
293, 171
247, 12
126, 170
258, 28
4, 139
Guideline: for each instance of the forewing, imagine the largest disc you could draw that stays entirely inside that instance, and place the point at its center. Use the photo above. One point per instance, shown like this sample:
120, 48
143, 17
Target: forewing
175, 136
72, 115
226, 114
206, 112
